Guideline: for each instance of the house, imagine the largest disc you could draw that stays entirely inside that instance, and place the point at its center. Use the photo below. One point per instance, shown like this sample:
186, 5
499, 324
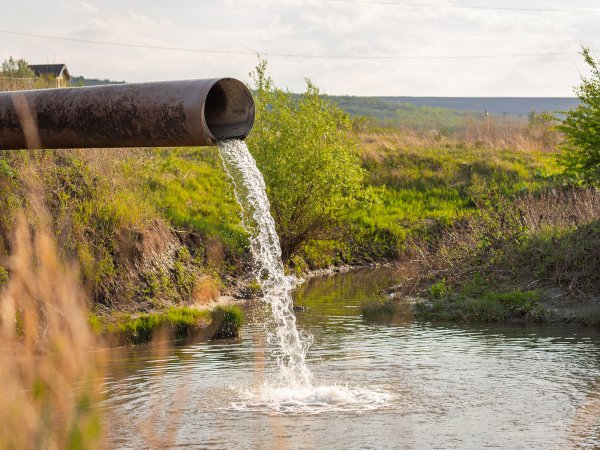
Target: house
57, 72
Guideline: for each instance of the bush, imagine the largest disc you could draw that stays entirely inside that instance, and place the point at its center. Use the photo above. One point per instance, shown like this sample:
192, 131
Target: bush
179, 322
228, 321
439, 290
581, 127
305, 148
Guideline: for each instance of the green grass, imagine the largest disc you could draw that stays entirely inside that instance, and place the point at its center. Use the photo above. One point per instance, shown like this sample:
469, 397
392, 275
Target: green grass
227, 321
180, 323
491, 261
489, 306
223, 322
190, 188
423, 188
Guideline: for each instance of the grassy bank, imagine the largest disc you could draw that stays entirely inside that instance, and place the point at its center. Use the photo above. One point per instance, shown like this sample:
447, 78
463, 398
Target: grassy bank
173, 324
154, 229
423, 184
533, 258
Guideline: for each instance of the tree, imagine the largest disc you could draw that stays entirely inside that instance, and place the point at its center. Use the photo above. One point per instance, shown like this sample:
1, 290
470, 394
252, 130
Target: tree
307, 153
581, 127
17, 68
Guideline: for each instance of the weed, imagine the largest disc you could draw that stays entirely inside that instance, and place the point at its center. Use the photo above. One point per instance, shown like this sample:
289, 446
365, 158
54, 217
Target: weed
50, 375
227, 321
439, 289
178, 322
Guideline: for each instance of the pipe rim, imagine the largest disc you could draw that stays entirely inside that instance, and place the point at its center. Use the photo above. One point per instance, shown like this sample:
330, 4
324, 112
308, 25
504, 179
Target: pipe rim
228, 111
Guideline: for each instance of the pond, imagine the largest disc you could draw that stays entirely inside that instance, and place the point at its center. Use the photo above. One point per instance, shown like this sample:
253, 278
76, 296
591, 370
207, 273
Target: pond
400, 384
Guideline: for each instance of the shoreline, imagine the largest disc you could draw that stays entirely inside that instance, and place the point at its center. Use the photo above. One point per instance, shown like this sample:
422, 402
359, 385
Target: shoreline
559, 308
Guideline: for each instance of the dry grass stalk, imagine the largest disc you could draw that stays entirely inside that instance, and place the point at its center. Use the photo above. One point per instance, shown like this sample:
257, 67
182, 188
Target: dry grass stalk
489, 243
50, 375
559, 208
495, 133
20, 84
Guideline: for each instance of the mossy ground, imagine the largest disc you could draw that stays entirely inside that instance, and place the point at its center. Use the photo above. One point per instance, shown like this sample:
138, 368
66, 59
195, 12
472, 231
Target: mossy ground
175, 323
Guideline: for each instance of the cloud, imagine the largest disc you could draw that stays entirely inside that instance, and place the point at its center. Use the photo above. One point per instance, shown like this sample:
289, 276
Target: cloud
84, 7
319, 27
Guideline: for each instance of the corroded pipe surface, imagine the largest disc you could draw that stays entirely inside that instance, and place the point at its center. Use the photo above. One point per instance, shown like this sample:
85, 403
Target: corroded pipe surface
161, 114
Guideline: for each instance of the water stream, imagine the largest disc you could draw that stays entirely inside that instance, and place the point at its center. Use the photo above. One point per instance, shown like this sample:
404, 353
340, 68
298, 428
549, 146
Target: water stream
441, 386
392, 384
251, 194
292, 388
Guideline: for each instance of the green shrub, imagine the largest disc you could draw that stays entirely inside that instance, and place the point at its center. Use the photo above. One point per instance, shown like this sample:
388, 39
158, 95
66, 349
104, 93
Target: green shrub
227, 321
16, 68
581, 128
439, 290
308, 154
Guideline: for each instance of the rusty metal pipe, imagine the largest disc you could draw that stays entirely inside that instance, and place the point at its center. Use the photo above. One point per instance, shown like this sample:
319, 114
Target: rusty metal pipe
160, 114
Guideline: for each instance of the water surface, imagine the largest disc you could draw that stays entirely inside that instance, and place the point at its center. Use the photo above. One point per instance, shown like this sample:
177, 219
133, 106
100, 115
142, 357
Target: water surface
376, 385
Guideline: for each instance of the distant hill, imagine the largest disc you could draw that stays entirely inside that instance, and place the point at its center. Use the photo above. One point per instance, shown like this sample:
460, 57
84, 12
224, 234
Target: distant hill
382, 107
400, 114
515, 106
445, 112
82, 81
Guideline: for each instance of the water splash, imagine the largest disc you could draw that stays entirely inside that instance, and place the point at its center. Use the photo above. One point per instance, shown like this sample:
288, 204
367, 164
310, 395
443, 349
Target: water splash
311, 400
250, 192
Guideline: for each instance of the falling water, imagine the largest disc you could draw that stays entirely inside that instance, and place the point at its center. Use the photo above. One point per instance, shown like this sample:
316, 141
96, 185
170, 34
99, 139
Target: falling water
251, 194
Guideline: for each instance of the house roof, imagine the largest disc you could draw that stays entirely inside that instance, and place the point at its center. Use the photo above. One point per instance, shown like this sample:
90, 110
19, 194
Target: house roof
50, 69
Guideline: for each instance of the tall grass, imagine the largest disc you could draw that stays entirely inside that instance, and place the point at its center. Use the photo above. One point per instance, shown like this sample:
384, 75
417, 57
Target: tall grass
497, 132
51, 372
48, 371
20, 84
426, 184
544, 244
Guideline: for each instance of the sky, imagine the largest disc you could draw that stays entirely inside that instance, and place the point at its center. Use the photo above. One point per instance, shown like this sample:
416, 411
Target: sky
344, 47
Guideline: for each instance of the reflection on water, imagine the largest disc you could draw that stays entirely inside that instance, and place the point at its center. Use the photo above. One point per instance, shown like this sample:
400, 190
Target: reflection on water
413, 385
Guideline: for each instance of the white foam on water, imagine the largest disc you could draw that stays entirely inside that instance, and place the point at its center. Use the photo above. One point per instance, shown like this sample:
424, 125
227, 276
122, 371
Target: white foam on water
292, 390
311, 400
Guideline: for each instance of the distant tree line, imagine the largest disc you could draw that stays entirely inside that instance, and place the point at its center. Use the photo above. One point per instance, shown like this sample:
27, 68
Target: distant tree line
16, 68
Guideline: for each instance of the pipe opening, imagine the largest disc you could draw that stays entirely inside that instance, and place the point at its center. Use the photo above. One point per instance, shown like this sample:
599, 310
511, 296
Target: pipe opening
229, 110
